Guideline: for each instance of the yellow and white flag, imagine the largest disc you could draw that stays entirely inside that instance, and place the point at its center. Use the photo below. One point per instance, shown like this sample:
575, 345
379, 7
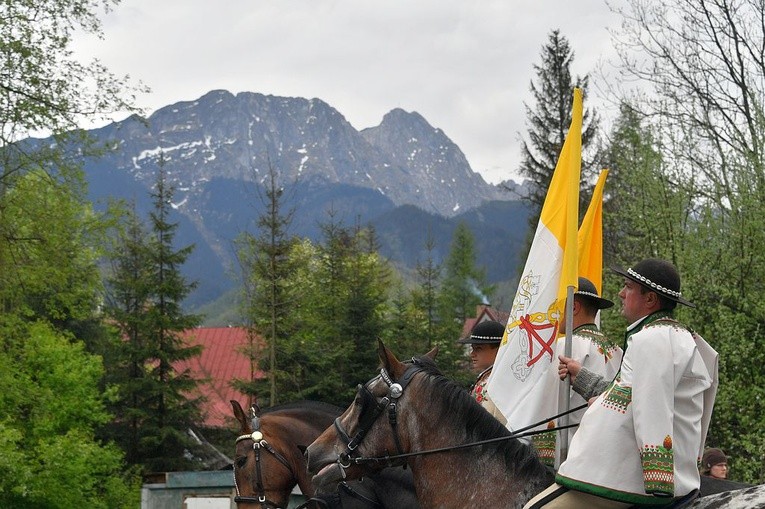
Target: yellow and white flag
590, 239
517, 385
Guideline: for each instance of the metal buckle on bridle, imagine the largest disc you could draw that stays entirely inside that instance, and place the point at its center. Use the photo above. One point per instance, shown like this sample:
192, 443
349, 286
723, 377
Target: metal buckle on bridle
259, 442
366, 420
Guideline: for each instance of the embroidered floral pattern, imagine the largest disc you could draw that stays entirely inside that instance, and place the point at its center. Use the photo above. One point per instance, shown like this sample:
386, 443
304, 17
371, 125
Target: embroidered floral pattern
617, 397
544, 443
478, 393
666, 321
604, 345
659, 467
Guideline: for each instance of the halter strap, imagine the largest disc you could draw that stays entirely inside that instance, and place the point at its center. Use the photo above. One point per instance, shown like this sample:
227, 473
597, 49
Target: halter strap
259, 442
366, 420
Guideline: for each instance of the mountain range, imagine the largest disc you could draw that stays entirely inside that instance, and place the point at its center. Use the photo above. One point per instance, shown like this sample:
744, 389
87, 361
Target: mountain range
404, 177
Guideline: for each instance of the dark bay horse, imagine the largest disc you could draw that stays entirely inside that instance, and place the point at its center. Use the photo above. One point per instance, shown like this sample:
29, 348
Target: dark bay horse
269, 462
411, 413
431, 412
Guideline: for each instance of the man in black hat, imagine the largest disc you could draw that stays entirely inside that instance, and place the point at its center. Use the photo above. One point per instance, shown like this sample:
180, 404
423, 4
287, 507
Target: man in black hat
638, 442
585, 381
484, 342
591, 351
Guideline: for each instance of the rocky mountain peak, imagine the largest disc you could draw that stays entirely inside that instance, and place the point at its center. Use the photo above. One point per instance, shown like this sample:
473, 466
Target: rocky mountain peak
217, 149
240, 136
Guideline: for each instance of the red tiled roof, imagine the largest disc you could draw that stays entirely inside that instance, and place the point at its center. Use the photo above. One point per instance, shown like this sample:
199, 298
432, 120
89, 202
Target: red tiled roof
223, 359
483, 313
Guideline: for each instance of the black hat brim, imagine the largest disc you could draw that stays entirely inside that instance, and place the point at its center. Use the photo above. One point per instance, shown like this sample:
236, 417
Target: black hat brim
598, 302
623, 272
471, 341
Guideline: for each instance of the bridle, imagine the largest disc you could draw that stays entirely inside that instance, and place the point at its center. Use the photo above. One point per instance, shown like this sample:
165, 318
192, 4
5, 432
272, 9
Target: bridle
371, 409
259, 443
390, 401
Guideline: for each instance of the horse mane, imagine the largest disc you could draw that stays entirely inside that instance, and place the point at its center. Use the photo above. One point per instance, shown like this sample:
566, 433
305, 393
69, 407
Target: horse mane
459, 408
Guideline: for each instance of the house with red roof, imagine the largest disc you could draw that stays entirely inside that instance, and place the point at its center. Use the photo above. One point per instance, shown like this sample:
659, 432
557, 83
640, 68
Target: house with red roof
224, 359
483, 312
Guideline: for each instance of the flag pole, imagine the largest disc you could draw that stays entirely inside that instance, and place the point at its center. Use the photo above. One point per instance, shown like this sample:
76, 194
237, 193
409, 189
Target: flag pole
564, 396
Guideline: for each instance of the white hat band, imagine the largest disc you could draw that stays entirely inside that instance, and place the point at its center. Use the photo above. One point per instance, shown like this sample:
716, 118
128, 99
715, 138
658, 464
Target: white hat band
652, 284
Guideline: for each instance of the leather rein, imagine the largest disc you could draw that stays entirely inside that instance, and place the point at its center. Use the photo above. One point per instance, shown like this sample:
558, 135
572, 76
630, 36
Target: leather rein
390, 401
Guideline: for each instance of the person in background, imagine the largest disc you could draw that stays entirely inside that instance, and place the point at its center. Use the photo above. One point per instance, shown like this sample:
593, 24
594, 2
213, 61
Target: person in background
715, 472
484, 342
714, 463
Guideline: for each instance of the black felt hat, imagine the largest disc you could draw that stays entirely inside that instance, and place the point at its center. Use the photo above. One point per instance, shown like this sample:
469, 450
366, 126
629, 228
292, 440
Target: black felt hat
486, 332
659, 276
587, 289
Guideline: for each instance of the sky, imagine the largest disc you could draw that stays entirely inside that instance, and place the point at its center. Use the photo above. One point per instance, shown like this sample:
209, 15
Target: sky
465, 66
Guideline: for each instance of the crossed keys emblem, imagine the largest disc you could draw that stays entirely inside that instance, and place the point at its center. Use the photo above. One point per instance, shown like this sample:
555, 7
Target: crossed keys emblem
533, 332
539, 338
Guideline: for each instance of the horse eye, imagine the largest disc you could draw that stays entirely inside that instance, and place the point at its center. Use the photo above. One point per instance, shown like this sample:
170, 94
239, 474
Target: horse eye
241, 461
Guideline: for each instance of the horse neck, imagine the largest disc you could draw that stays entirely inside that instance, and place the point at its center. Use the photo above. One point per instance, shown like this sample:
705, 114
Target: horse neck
291, 429
470, 477
466, 479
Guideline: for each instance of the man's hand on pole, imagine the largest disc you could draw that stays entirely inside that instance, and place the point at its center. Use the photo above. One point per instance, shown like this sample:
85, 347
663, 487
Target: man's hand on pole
568, 367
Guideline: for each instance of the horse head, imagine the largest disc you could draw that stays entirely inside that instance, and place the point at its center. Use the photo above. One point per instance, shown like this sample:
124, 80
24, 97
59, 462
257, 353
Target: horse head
412, 413
369, 427
263, 476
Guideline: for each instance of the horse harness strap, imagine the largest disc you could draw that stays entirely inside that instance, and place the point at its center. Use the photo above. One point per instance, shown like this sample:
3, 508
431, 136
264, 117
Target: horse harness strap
343, 487
259, 442
367, 419
335, 500
520, 433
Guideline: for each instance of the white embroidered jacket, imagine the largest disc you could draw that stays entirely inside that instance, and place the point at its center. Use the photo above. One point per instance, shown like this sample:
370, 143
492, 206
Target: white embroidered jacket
640, 441
598, 355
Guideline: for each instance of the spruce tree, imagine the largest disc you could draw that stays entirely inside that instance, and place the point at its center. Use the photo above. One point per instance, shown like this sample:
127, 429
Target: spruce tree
343, 311
368, 279
269, 275
127, 298
463, 288
156, 407
425, 296
549, 118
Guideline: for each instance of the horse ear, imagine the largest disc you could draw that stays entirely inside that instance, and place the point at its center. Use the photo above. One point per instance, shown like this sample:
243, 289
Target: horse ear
432, 354
239, 414
389, 360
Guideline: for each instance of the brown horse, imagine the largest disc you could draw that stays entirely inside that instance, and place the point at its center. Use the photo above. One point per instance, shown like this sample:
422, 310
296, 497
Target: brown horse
269, 462
433, 426
429, 412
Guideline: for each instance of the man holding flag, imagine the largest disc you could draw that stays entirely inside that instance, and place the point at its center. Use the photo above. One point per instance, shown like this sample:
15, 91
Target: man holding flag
592, 351
639, 441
